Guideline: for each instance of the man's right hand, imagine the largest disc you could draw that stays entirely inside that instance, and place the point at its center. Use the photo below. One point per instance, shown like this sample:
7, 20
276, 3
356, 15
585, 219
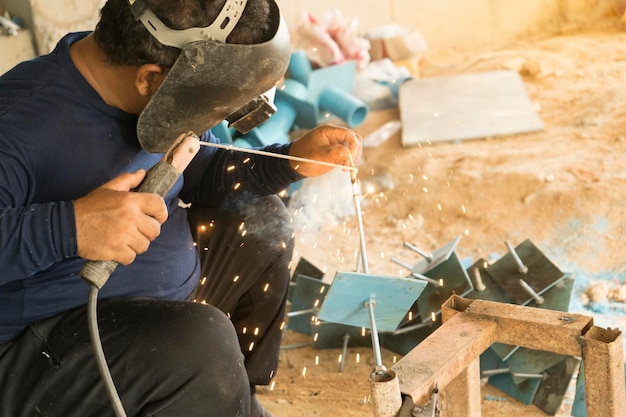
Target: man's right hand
114, 223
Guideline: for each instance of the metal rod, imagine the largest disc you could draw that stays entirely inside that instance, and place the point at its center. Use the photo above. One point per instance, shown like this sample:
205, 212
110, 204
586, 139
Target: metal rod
435, 282
344, 351
370, 304
408, 329
499, 371
275, 155
359, 218
301, 312
520, 265
480, 285
538, 299
427, 256
401, 263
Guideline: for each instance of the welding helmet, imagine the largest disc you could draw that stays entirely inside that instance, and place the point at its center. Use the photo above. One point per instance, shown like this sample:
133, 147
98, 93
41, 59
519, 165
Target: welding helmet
211, 80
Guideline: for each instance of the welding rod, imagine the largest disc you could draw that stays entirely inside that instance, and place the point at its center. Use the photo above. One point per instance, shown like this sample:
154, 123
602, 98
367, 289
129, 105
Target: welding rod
275, 155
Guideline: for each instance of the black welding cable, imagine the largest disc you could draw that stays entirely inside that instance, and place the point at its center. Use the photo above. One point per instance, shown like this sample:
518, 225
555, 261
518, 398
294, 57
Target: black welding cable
94, 334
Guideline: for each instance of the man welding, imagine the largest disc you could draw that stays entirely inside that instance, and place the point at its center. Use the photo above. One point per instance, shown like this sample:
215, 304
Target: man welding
79, 128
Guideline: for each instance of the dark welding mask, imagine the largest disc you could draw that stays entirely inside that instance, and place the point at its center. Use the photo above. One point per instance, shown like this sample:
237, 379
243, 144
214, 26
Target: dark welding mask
212, 80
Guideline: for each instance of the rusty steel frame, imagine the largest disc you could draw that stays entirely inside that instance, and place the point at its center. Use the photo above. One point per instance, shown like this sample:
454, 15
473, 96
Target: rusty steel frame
448, 359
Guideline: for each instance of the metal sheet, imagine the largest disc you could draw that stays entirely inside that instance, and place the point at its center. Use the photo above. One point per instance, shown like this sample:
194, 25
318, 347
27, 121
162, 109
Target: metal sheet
349, 291
455, 281
467, 106
542, 274
308, 293
552, 391
439, 256
331, 336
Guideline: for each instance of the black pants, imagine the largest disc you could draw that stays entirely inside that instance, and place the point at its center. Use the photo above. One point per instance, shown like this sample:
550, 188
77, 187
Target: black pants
167, 358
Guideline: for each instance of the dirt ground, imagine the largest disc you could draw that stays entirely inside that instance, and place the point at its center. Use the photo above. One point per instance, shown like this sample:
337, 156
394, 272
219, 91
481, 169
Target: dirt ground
563, 188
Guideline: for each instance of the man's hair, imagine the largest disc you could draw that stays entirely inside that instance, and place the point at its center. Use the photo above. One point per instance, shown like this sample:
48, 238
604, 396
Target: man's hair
126, 41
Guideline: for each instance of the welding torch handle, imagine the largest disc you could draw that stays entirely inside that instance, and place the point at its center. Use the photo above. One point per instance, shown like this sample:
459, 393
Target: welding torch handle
159, 180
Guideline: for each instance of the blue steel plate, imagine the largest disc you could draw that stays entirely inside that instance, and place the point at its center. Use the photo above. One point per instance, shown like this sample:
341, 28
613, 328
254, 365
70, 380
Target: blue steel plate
349, 291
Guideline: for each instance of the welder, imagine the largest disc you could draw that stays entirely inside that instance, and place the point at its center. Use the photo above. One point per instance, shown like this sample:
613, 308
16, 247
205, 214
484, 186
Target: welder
191, 319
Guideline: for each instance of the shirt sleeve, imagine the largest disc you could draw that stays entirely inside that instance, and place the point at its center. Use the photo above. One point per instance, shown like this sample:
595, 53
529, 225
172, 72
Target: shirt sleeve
32, 236
218, 173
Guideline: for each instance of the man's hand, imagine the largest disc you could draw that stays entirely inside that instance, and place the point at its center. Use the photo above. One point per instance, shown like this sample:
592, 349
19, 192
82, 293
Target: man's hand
115, 224
328, 143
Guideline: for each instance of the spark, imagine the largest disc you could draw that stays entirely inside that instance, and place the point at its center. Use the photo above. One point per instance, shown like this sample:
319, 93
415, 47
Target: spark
358, 358
322, 290
256, 331
339, 359
230, 168
267, 287
282, 325
203, 228
284, 245
439, 207
251, 346
315, 337
304, 372
463, 208
236, 278
410, 315
317, 360
236, 186
245, 161
433, 316
272, 385
203, 281
395, 359
363, 331
244, 330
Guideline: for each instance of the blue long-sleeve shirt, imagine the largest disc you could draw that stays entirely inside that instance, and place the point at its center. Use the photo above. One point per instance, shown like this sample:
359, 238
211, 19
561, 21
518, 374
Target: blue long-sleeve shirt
58, 141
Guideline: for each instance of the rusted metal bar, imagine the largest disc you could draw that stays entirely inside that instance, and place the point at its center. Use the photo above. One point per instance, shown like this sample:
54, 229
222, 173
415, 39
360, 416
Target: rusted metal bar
443, 355
603, 359
448, 358
533, 328
464, 393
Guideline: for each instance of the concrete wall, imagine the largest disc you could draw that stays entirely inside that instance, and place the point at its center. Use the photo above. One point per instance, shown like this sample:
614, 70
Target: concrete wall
463, 24
459, 24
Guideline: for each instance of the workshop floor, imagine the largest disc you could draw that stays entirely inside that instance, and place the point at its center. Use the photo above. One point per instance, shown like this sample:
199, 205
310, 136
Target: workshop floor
563, 188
